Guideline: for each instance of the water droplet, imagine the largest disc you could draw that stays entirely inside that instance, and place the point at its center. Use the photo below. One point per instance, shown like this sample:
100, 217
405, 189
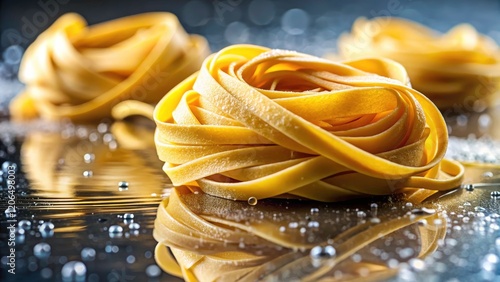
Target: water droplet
462, 120
488, 174
361, 214
9, 167
74, 271
438, 222
102, 127
484, 120
46, 227
406, 253
252, 201
89, 158
25, 224
417, 264
122, 185
13, 54
495, 194
134, 226
423, 211
303, 230
130, 259
468, 187
153, 271
314, 210
293, 225
114, 229
490, 262
88, 254
467, 204
375, 220
422, 222
128, 216
88, 173
479, 209
320, 252
313, 224
283, 229
41, 250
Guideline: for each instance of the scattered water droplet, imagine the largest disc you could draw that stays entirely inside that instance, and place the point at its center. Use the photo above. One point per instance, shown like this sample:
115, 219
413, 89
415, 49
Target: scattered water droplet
46, 227
74, 271
488, 174
130, 259
88, 173
293, 225
88, 254
495, 194
374, 209
283, 229
406, 253
361, 214
479, 209
41, 250
25, 224
114, 229
128, 216
423, 211
468, 187
153, 271
313, 224
123, 185
252, 201
314, 210
134, 226
320, 252
88, 158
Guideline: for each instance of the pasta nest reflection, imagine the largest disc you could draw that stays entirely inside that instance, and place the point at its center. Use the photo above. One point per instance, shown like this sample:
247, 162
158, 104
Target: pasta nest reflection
80, 72
255, 122
214, 239
460, 68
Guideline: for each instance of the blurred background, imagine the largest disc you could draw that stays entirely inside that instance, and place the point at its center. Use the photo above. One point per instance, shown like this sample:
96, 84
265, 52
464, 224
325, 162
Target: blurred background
306, 26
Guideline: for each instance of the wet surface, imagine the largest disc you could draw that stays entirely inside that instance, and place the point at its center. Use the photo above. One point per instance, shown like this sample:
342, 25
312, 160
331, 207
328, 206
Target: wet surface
86, 198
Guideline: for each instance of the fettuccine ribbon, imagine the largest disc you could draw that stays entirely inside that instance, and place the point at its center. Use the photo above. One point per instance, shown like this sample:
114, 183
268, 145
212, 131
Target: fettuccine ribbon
79, 72
262, 123
454, 69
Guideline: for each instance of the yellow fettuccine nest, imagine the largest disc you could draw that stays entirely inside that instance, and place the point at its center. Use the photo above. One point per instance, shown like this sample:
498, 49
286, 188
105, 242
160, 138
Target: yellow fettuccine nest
454, 69
79, 72
263, 123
